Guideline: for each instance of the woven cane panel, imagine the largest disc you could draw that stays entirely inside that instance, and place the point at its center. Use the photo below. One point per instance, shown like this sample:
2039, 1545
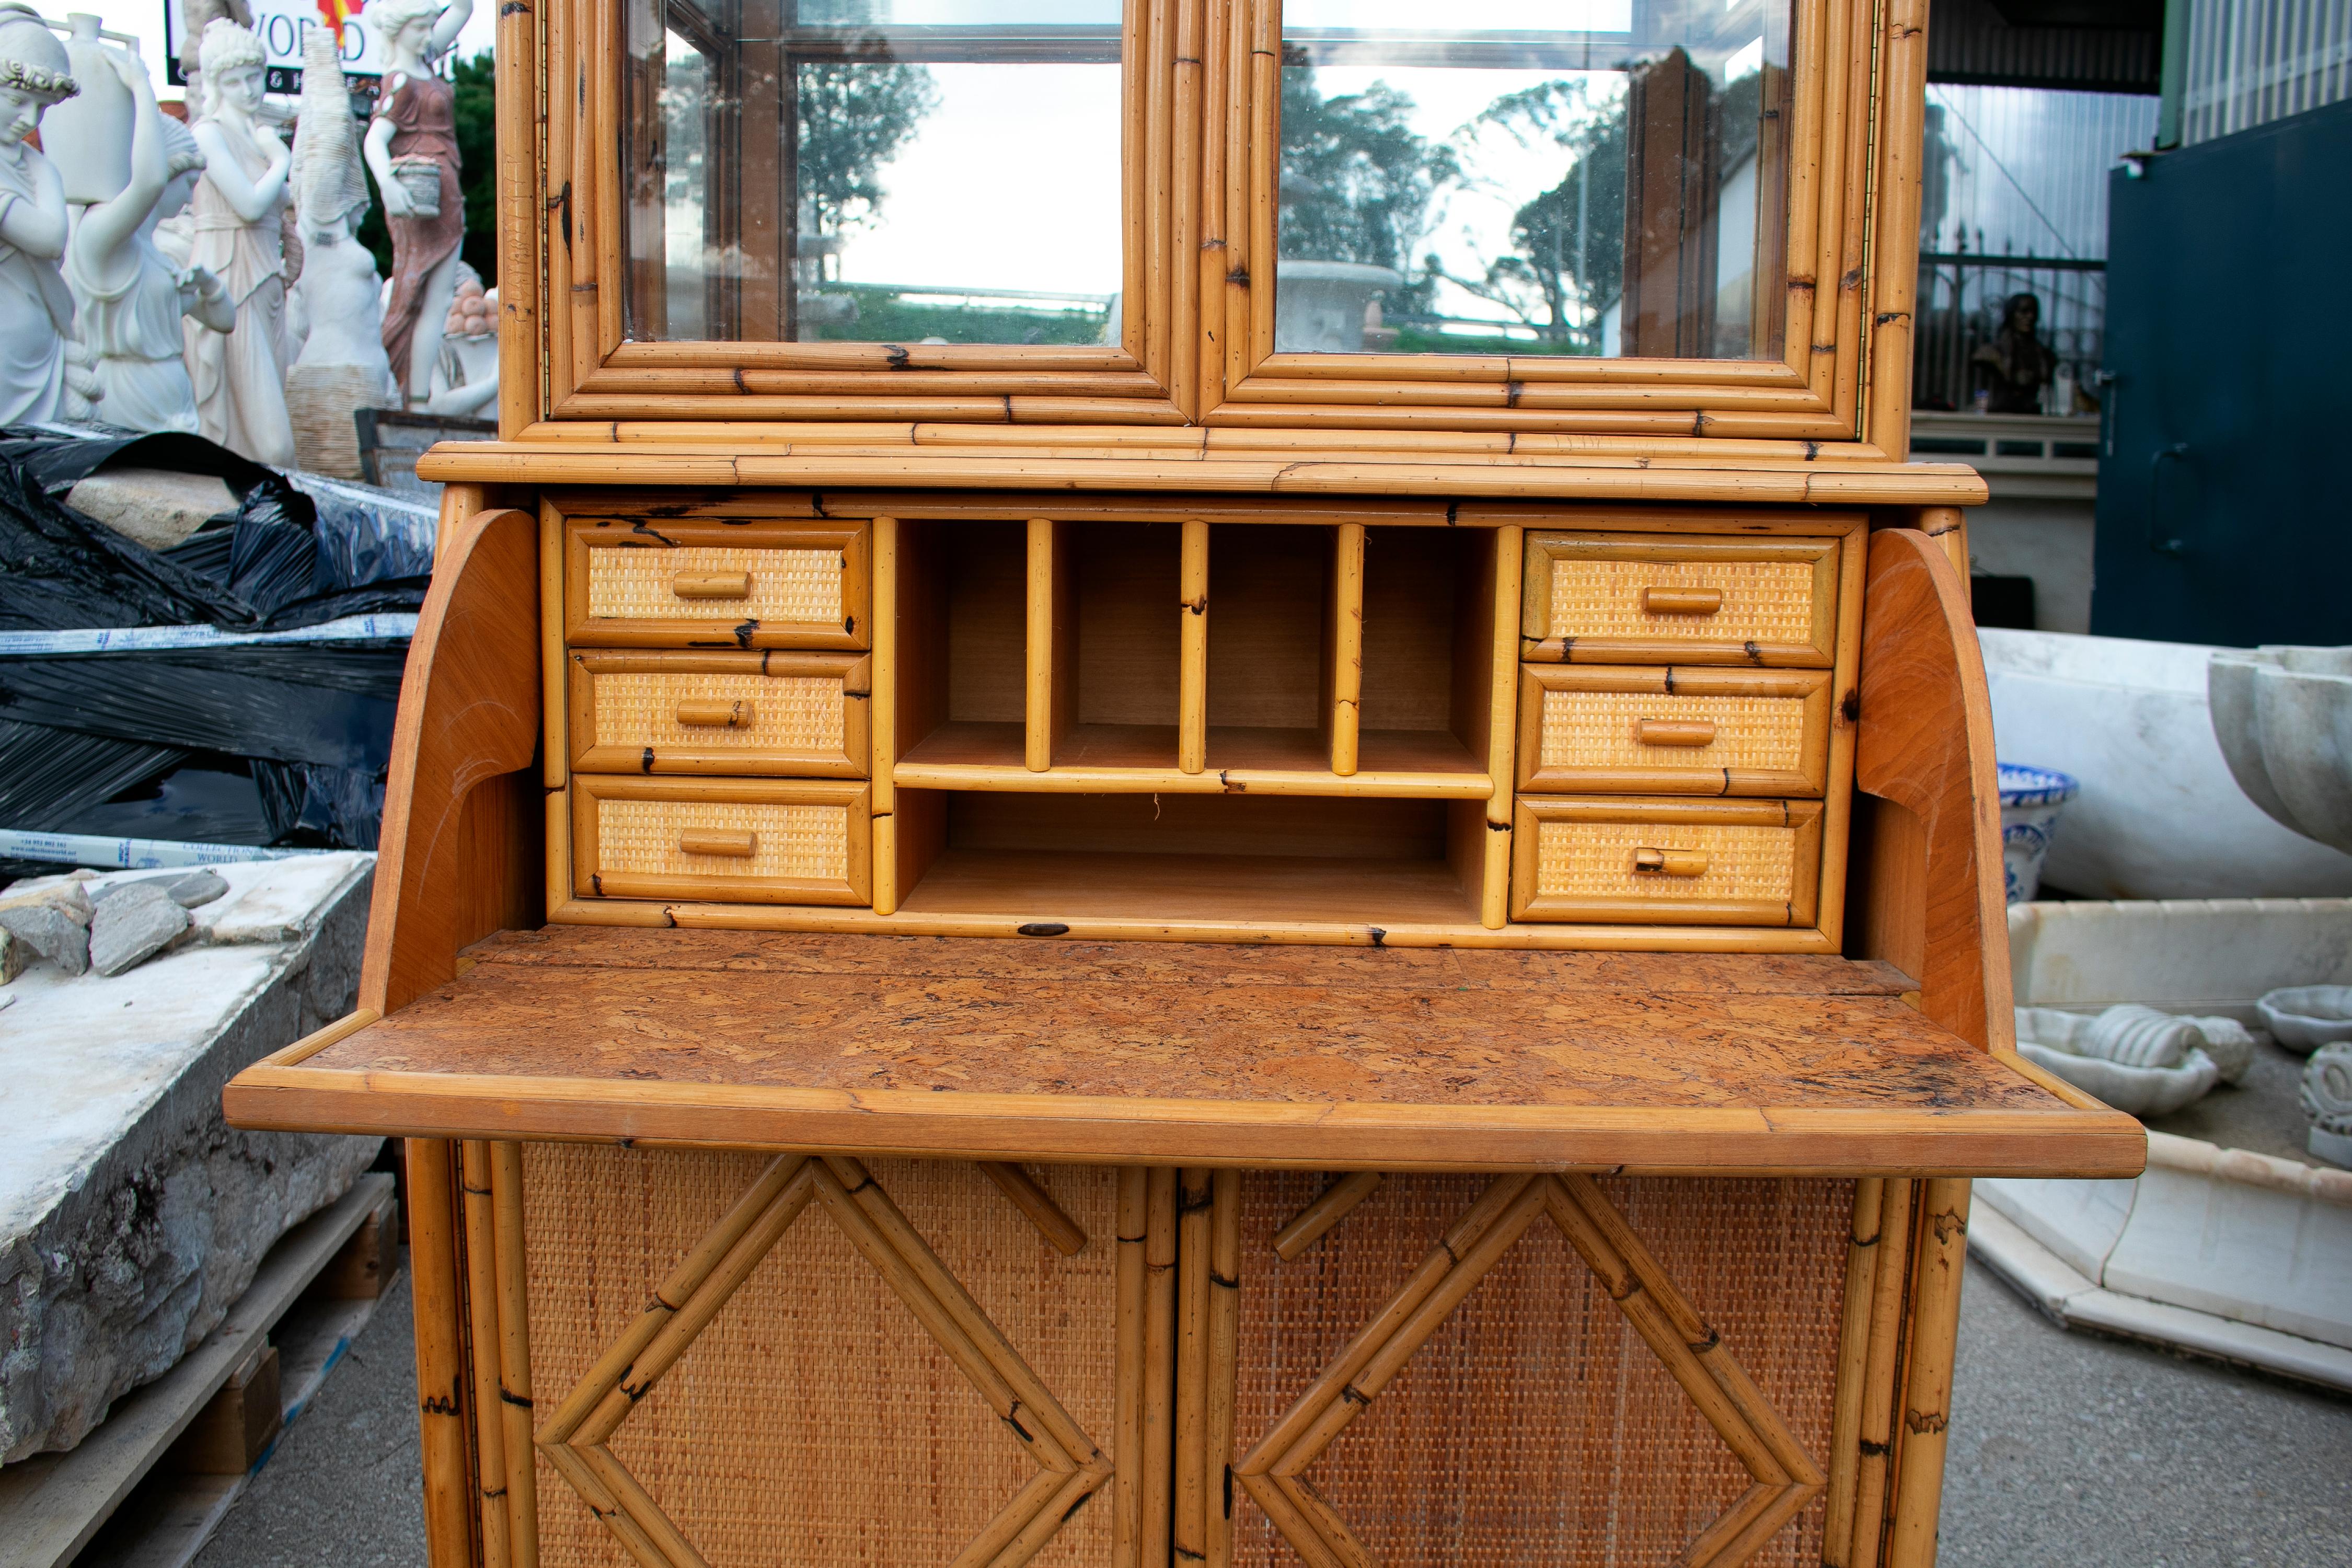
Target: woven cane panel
815, 1423
1763, 601
1535, 1428
803, 713
809, 843
1595, 860
1595, 730
787, 585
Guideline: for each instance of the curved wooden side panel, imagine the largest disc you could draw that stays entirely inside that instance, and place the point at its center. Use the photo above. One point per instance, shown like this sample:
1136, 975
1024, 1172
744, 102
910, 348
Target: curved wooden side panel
469, 714
1923, 741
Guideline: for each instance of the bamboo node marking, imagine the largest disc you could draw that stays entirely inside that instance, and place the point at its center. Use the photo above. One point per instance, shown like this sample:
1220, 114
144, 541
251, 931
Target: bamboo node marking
1924, 1422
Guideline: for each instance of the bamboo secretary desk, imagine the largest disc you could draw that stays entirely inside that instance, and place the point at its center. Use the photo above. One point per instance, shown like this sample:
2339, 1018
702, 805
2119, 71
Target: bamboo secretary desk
1334, 899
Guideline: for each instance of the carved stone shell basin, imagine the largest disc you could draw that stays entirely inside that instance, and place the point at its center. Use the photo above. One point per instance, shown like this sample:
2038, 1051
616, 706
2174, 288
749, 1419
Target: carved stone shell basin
2284, 719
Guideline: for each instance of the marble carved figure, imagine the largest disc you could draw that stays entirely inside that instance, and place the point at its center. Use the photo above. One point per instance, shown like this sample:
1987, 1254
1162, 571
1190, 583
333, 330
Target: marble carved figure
240, 377
36, 309
128, 297
337, 309
416, 126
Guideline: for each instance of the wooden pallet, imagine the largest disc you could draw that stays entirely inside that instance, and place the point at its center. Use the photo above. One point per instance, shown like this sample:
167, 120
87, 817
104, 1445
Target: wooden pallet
54, 1506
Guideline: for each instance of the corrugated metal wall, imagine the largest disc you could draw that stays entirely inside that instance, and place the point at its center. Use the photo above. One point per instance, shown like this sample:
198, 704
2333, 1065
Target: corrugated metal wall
2254, 62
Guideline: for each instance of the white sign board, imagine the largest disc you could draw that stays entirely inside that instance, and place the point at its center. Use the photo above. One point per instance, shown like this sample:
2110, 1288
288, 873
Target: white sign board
282, 25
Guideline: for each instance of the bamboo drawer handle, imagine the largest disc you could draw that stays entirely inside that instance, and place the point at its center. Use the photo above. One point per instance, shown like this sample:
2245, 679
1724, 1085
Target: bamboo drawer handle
712, 714
711, 585
717, 841
1674, 731
1671, 862
1681, 601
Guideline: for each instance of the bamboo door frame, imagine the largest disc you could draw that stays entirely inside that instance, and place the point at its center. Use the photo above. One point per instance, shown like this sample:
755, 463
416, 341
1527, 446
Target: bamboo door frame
1197, 210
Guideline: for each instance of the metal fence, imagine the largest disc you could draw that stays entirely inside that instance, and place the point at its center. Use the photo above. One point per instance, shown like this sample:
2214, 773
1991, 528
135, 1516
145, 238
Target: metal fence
1962, 299
2254, 62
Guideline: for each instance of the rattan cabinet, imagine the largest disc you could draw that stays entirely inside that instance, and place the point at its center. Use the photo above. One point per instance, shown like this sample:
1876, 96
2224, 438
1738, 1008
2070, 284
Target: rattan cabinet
1194, 786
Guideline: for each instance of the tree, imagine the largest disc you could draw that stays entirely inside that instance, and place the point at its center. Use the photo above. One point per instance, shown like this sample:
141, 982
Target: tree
1356, 180
1569, 255
853, 118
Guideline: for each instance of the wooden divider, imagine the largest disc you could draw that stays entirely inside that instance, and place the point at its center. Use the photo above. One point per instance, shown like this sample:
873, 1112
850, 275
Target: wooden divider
1343, 658
1052, 701
1192, 676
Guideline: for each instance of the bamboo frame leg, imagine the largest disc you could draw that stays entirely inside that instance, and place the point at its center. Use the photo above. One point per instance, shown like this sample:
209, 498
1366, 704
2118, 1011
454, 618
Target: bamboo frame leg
442, 1394
514, 1352
1126, 1414
1192, 651
1854, 1354
482, 1311
1875, 1444
1224, 1344
1942, 1264
1158, 1432
1188, 1533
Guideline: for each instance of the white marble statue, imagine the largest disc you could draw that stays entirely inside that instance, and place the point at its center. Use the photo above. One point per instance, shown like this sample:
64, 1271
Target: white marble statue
130, 300
466, 377
36, 309
336, 312
240, 376
416, 129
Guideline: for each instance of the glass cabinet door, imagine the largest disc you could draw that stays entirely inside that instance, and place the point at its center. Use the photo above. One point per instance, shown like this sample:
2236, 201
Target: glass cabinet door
873, 170
1527, 177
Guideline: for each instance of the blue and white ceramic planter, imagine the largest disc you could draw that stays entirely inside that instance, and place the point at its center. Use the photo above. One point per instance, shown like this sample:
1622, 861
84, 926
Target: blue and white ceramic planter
2030, 800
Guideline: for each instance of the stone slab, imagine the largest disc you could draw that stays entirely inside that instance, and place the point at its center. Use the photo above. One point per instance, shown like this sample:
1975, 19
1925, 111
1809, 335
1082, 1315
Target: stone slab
131, 1216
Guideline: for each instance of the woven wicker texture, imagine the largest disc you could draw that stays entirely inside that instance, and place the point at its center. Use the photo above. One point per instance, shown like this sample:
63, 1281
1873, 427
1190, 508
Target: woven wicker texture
1595, 860
787, 585
1763, 601
815, 1423
801, 713
807, 842
1535, 1428
1595, 730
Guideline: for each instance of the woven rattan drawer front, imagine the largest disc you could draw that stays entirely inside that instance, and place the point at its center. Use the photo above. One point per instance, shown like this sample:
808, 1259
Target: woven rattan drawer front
793, 714
1631, 728
1667, 862
1601, 598
773, 841
666, 584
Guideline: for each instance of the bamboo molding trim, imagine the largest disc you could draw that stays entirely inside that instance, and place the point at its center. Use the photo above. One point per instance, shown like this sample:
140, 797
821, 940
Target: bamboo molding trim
1785, 1477
1319, 1218
575, 1440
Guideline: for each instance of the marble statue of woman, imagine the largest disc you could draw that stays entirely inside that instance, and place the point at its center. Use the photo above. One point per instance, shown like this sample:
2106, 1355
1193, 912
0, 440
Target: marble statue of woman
416, 121
130, 298
336, 309
240, 376
36, 309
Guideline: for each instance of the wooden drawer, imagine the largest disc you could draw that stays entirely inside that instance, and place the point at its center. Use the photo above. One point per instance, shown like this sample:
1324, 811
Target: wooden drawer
1615, 598
773, 841
1629, 729
1666, 862
664, 583
802, 714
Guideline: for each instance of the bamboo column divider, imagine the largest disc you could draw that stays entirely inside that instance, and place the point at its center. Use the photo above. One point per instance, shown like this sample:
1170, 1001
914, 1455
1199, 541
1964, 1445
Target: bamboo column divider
1343, 658
1193, 650
1215, 218
1942, 1253
514, 1352
520, 138
1135, 230
1184, 276
1159, 1422
1263, 160
1889, 1311
1133, 1218
1854, 1355
1159, 128
1189, 1533
1052, 686
564, 86
434, 1225
1502, 725
482, 1312
1894, 268
883, 617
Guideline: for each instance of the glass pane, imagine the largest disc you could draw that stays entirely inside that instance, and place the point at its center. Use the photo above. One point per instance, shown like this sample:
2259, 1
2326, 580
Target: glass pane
873, 170
1533, 177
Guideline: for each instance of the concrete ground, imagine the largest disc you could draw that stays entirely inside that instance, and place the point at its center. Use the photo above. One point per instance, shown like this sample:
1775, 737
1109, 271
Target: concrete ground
2065, 1448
